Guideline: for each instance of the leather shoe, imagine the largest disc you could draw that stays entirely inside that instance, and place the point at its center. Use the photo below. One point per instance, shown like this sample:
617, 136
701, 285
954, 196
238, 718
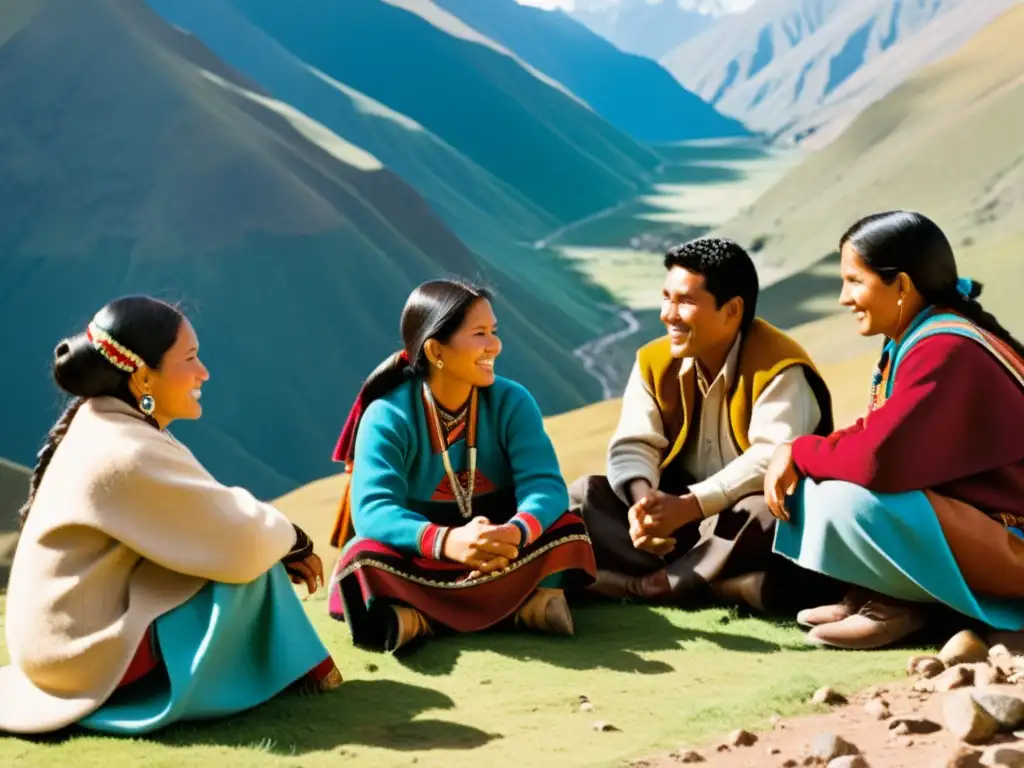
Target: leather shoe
880, 622
618, 586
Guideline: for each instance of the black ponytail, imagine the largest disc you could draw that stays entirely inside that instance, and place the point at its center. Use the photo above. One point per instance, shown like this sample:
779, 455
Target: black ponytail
53, 438
897, 242
146, 326
971, 308
435, 310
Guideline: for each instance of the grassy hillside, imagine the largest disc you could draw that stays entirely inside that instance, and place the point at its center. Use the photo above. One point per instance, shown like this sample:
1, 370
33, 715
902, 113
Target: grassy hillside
490, 216
468, 91
946, 143
632, 92
13, 490
791, 67
164, 171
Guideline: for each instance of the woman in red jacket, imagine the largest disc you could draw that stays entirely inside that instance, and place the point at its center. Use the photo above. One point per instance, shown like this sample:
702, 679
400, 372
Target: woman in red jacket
922, 500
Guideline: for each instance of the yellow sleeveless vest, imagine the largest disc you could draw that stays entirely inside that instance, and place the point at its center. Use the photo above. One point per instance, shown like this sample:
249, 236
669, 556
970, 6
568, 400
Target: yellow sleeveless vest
765, 352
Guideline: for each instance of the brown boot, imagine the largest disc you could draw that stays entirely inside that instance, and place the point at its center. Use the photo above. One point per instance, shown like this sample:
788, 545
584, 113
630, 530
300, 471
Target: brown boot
653, 587
547, 611
880, 622
410, 624
745, 589
829, 614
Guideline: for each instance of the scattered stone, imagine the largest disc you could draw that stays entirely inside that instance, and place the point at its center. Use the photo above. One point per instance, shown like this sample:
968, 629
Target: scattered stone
876, 692
371, 667
964, 648
828, 696
1008, 711
848, 761
916, 725
966, 720
960, 676
878, 709
586, 706
828, 746
601, 725
964, 757
789, 763
688, 756
722, 748
774, 751
485, 681
924, 686
905, 741
917, 665
741, 739
1012, 641
1003, 756
986, 675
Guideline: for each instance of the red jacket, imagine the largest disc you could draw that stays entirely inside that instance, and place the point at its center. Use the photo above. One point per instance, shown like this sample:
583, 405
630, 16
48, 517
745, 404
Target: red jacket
954, 423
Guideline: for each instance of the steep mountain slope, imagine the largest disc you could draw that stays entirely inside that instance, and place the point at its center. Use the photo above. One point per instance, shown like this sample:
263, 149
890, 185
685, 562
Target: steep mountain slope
640, 27
790, 67
947, 143
424, 63
133, 160
633, 93
13, 490
490, 216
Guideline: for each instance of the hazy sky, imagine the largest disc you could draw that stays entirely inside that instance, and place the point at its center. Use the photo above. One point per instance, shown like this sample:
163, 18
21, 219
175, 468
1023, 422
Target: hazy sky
730, 5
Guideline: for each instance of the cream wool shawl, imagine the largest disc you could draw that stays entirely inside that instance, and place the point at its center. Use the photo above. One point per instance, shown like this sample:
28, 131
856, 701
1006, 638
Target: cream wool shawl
126, 526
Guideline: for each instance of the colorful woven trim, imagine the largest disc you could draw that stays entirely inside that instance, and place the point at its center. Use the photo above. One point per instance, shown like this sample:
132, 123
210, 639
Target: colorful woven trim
116, 354
530, 525
431, 541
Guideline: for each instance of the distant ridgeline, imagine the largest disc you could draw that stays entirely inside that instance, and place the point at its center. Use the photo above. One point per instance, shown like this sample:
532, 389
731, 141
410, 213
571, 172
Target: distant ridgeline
290, 172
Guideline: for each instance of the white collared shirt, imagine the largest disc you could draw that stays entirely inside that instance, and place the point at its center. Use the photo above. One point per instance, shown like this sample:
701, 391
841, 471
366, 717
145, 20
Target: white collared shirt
785, 410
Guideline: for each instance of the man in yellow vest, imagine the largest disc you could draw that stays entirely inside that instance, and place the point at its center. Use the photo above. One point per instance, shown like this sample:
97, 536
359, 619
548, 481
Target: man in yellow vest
681, 515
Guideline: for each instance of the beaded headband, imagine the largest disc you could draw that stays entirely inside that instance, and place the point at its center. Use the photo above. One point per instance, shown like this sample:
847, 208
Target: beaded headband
116, 354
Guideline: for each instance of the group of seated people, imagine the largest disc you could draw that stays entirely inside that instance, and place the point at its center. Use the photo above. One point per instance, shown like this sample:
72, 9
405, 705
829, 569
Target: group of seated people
143, 592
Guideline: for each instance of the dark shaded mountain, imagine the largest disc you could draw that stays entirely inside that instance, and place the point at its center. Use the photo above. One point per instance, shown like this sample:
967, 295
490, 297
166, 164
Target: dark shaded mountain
134, 160
424, 63
632, 92
642, 27
494, 219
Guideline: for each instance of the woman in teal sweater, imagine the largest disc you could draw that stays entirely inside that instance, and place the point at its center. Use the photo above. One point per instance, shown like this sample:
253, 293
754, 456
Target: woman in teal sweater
456, 497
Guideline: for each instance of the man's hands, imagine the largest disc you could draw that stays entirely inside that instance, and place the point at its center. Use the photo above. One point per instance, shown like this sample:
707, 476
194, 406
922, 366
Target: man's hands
657, 515
483, 546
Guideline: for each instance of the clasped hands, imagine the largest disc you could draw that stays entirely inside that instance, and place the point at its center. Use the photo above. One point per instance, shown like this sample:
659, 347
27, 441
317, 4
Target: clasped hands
483, 546
656, 516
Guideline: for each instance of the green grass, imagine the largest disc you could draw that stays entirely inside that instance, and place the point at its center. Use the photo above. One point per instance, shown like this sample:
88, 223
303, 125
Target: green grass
663, 677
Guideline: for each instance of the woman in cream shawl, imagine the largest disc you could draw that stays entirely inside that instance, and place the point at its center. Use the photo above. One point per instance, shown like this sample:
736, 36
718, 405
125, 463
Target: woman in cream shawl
143, 592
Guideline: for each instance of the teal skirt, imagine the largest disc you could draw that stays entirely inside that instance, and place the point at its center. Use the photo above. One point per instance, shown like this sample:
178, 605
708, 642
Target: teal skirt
890, 543
228, 649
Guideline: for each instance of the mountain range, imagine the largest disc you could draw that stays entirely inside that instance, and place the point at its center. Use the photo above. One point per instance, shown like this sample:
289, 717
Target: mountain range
793, 68
632, 92
166, 171
947, 143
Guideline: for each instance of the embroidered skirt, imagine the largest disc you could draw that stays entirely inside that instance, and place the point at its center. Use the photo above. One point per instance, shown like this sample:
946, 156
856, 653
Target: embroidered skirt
370, 576
916, 546
228, 649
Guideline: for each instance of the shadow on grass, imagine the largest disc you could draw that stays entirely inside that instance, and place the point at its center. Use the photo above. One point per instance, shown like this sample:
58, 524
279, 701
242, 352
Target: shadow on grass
610, 637
377, 713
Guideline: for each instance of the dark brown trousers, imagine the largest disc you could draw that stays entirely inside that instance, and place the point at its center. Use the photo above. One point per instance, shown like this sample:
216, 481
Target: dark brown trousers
734, 542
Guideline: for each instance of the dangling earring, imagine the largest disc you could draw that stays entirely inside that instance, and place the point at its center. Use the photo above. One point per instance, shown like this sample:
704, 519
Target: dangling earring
440, 364
147, 404
899, 320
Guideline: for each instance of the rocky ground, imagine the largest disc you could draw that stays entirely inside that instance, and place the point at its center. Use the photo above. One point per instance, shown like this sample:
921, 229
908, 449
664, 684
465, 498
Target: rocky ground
962, 708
